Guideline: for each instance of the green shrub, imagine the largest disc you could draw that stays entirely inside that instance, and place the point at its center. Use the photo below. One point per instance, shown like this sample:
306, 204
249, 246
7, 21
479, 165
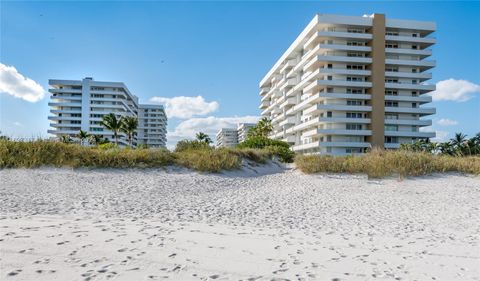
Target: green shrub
184, 145
261, 142
283, 153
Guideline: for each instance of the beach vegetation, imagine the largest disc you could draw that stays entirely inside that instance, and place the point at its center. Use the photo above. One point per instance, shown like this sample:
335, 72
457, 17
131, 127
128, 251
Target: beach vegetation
382, 163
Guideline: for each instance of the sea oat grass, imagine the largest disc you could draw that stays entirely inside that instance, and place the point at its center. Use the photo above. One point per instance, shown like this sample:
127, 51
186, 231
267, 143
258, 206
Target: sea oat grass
208, 160
381, 163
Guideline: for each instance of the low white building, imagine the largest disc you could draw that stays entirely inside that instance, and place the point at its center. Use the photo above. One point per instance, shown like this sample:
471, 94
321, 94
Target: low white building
81, 104
227, 137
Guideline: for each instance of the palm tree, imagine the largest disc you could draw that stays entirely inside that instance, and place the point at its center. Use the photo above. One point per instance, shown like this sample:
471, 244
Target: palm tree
202, 137
65, 139
459, 139
264, 127
83, 135
96, 139
129, 127
112, 123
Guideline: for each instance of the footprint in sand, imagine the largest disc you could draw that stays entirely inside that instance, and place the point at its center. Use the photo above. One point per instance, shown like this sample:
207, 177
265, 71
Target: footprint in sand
15, 272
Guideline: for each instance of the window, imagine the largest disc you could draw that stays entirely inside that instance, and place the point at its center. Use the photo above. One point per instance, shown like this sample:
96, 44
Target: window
354, 115
414, 105
414, 93
391, 45
354, 91
355, 30
391, 128
391, 33
329, 114
354, 54
391, 104
353, 126
391, 69
414, 47
391, 140
329, 77
355, 67
391, 92
354, 102
391, 80
329, 65
353, 150
391, 116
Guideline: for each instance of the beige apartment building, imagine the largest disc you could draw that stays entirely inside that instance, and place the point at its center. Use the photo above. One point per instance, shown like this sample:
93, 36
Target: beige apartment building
350, 83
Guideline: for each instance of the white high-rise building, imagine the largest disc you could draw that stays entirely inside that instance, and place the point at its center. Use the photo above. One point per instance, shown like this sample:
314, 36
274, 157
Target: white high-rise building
242, 130
350, 83
81, 104
152, 123
227, 137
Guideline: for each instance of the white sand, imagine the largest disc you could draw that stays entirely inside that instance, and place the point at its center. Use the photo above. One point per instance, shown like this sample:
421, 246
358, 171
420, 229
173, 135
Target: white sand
58, 224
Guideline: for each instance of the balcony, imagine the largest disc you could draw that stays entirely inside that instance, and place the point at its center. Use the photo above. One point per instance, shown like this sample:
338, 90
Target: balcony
419, 99
413, 110
420, 76
410, 86
424, 41
340, 83
410, 134
343, 132
411, 122
401, 51
318, 108
423, 64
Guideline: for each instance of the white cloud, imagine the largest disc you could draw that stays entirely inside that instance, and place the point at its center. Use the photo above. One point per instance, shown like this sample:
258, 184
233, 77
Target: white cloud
15, 84
440, 136
209, 125
18, 124
447, 122
186, 107
455, 90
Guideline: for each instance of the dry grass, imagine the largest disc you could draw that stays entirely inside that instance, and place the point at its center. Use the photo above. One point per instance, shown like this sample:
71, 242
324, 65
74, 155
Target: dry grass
381, 163
16, 154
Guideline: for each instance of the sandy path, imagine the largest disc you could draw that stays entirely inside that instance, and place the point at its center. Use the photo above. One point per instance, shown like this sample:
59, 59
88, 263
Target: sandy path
151, 225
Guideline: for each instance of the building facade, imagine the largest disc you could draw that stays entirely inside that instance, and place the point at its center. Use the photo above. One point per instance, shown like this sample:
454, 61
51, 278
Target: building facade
351, 83
242, 131
152, 125
227, 137
81, 104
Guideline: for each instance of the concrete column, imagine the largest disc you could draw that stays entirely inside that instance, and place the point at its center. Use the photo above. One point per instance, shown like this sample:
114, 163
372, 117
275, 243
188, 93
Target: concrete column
378, 82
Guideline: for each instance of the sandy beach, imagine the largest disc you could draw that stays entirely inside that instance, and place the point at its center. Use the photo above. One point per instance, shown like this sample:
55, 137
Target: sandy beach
61, 224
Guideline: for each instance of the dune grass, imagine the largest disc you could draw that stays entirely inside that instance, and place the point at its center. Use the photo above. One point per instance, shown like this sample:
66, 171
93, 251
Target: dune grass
17, 154
381, 163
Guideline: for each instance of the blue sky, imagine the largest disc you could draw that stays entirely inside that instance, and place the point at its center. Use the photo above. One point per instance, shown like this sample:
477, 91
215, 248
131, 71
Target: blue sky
216, 50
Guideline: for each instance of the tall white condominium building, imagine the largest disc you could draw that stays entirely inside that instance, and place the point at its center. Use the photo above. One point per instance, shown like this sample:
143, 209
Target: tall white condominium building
242, 130
227, 137
152, 123
81, 104
349, 83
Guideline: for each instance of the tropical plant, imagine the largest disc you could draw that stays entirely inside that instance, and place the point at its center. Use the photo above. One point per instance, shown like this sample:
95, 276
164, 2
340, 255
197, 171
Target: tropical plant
83, 135
65, 139
184, 145
202, 137
263, 128
459, 145
3, 137
129, 127
112, 123
96, 139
